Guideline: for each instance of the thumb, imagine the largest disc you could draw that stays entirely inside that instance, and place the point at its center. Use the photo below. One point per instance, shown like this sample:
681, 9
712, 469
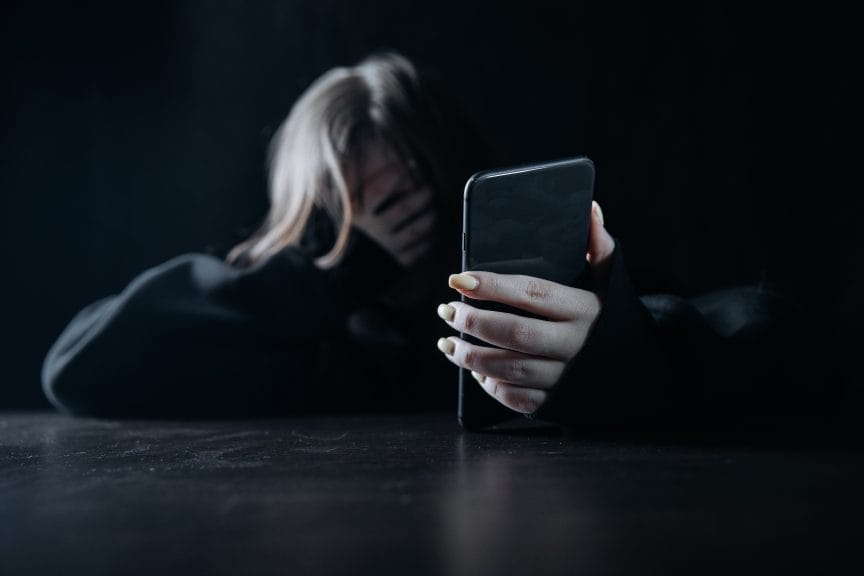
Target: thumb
600, 242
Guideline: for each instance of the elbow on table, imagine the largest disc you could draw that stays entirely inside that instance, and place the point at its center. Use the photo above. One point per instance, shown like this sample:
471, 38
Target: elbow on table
64, 385
81, 376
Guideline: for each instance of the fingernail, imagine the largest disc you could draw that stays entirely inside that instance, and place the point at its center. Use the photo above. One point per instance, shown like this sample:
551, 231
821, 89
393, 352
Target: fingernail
477, 376
446, 312
598, 211
446, 346
463, 282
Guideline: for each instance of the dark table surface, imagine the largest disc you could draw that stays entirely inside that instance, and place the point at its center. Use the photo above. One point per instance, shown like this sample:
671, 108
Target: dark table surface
411, 495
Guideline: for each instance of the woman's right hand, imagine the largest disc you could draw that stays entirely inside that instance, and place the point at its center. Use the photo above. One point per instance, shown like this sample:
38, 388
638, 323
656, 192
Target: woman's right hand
391, 209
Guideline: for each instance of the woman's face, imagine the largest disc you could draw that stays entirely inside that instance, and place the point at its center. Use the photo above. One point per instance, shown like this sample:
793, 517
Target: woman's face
390, 207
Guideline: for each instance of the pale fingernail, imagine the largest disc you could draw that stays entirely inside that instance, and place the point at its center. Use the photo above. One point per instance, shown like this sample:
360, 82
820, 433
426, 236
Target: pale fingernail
463, 282
598, 211
446, 346
477, 376
446, 312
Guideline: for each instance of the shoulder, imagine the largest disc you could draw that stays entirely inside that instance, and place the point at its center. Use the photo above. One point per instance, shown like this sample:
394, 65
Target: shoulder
745, 311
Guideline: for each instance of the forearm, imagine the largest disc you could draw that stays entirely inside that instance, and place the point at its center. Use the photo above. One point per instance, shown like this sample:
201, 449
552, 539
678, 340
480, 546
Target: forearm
614, 384
191, 337
733, 364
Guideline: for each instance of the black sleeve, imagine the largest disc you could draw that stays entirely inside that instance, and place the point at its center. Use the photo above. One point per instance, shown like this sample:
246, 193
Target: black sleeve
733, 364
196, 337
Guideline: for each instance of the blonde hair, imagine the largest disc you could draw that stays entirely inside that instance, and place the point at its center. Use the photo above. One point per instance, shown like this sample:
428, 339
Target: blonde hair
380, 99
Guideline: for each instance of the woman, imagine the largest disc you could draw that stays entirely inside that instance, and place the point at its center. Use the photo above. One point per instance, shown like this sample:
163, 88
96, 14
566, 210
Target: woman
329, 306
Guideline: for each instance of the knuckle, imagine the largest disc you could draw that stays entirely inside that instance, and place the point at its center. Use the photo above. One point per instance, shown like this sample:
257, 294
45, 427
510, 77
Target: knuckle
490, 283
469, 321
524, 405
513, 398
516, 369
536, 291
522, 335
502, 393
530, 405
469, 357
589, 307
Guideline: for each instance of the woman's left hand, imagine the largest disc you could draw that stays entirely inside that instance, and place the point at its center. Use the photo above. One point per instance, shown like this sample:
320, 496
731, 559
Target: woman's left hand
530, 353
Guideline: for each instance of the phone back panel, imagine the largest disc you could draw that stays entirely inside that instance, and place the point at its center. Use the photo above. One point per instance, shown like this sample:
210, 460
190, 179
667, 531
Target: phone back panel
530, 220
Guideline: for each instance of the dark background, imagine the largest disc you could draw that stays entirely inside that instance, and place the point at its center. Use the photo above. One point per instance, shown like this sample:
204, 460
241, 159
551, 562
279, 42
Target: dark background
726, 137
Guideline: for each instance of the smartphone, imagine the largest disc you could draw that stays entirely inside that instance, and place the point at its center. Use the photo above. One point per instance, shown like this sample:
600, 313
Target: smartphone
531, 219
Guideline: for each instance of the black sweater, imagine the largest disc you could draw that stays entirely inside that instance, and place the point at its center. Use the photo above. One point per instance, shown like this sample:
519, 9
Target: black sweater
196, 337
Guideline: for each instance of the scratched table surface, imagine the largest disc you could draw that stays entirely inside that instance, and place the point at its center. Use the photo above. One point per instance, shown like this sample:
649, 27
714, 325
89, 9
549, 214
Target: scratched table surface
411, 495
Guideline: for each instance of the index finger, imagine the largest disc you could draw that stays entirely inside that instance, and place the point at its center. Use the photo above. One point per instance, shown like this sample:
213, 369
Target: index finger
534, 295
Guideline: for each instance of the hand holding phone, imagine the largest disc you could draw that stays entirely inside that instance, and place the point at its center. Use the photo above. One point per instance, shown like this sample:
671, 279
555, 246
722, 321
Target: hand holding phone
521, 317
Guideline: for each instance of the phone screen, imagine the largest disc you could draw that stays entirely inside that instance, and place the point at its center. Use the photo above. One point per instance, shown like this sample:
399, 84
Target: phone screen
530, 220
